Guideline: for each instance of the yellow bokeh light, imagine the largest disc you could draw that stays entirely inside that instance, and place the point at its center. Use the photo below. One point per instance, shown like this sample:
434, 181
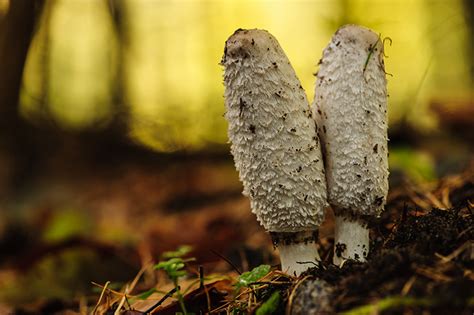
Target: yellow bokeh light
172, 80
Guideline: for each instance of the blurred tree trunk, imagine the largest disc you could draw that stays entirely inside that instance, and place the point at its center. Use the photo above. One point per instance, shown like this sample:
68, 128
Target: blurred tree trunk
25, 148
110, 144
113, 137
16, 32
117, 12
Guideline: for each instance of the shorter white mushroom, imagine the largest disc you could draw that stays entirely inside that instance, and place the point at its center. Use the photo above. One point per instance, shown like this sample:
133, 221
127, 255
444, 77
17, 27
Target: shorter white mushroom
275, 145
350, 106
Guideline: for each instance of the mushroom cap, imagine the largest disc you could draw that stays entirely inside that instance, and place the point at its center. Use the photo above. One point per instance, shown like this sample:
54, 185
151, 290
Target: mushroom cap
273, 136
350, 106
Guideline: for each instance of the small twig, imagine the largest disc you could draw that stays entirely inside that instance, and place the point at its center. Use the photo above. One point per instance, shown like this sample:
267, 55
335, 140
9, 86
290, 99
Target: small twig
124, 295
138, 276
201, 276
383, 43
469, 206
418, 201
432, 274
203, 287
307, 262
227, 261
455, 253
108, 290
220, 308
249, 291
164, 298
128, 303
371, 52
408, 285
445, 198
384, 55
292, 295
272, 282
101, 296
249, 304
122, 301
264, 284
281, 273
465, 231
435, 201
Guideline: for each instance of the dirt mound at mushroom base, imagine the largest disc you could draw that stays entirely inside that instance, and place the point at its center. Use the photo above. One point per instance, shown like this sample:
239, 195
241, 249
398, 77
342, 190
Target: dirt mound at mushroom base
423, 261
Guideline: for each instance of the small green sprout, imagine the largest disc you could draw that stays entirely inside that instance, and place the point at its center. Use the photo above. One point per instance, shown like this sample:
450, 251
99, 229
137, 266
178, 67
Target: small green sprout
174, 268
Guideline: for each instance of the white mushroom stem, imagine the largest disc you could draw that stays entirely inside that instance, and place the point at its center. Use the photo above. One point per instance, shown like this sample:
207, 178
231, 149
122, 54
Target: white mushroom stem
298, 251
297, 258
351, 240
350, 106
275, 144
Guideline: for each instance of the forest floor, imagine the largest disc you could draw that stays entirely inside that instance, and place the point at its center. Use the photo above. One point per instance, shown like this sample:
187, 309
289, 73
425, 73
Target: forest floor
98, 248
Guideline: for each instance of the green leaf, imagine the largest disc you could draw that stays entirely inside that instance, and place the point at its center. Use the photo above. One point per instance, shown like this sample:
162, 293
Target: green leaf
249, 277
390, 303
145, 295
169, 264
180, 252
173, 267
270, 306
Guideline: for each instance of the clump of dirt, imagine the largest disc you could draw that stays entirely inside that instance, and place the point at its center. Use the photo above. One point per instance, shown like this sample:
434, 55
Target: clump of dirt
425, 259
439, 231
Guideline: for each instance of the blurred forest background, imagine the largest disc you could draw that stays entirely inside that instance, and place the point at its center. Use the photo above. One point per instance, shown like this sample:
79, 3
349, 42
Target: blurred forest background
112, 135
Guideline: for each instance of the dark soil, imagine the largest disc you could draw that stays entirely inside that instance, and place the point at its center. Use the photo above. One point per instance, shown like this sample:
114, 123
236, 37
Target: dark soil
424, 258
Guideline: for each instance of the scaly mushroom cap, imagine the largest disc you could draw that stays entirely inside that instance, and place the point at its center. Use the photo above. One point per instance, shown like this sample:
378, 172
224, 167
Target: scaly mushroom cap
274, 139
350, 106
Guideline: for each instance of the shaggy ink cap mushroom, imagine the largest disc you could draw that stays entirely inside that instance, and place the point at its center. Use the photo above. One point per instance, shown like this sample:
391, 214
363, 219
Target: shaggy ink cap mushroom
350, 107
275, 144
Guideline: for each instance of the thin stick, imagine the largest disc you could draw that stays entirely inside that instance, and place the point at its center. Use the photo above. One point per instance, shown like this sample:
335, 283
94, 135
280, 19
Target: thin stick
292, 295
122, 301
164, 298
371, 52
201, 276
455, 253
272, 282
108, 290
228, 261
138, 276
203, 287
101, 296
408, 285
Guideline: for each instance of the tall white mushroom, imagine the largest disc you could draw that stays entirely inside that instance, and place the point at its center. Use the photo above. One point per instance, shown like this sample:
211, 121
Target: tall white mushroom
275, 145
350, 106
